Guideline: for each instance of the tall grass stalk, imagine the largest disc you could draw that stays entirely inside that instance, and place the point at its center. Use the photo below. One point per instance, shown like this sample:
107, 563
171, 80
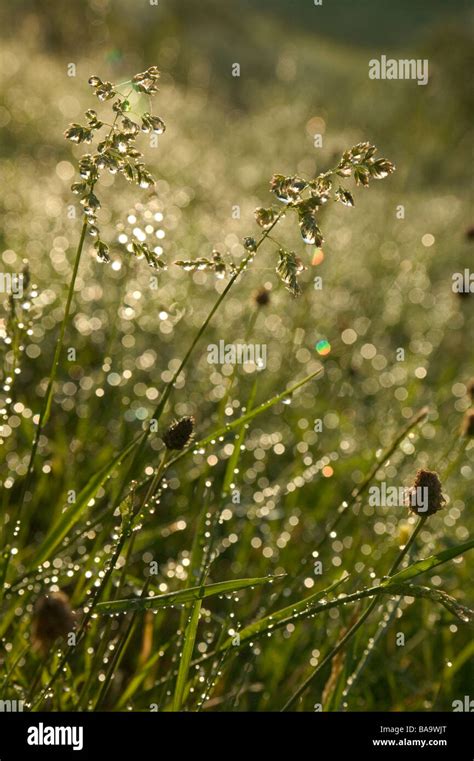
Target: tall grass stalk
46, 405
124, 535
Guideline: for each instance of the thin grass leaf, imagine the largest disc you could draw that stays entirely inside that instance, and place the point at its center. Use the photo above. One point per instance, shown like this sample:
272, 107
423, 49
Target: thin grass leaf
462, 612
139, 678
233, 460
314, 604
452, 668
186, 655
428, 563
183, 595
193, 621
72, 514
282, 616
250, 415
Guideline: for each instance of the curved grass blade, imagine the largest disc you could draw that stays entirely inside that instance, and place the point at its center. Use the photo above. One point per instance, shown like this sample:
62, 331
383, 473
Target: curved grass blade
314, 604
257, 410
428, 563
247, 417
183, 595
462, 612
282, 616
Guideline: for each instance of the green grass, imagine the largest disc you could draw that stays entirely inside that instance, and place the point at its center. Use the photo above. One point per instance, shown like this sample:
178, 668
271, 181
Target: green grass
303, 493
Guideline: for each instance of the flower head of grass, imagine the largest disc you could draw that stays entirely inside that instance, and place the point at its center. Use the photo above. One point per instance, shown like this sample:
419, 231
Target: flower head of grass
426, 481
262, 297
52, 619
179, 434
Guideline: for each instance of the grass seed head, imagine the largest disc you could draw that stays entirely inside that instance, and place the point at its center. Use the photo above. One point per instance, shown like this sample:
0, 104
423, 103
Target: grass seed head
52, 619
262, 297
179, 434
427, 480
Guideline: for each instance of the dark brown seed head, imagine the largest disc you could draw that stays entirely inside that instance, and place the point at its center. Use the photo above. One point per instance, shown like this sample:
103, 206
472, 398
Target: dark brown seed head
179, 434
470, 389
52, 619
467, 428
426, 496
470, 233
262, 297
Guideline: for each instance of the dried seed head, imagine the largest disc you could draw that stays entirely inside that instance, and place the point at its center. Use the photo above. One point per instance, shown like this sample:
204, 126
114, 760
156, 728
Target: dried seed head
262, 297
426, 496
179, 434
470, 233
467, 428
470, 389
52, 619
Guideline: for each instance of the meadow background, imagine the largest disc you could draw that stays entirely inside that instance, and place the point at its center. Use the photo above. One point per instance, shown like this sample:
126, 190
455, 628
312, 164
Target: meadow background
387, 283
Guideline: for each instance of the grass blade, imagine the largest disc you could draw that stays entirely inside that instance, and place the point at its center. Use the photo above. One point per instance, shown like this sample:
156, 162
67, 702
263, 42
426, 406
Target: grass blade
280, 617
73, 513
256, 411
462, 612
183, 595
428, 563
186, 655
243, 419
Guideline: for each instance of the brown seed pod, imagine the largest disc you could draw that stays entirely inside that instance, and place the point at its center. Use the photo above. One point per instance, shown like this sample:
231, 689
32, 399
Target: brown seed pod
52, 619
262, 297
179, 434
427, 484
